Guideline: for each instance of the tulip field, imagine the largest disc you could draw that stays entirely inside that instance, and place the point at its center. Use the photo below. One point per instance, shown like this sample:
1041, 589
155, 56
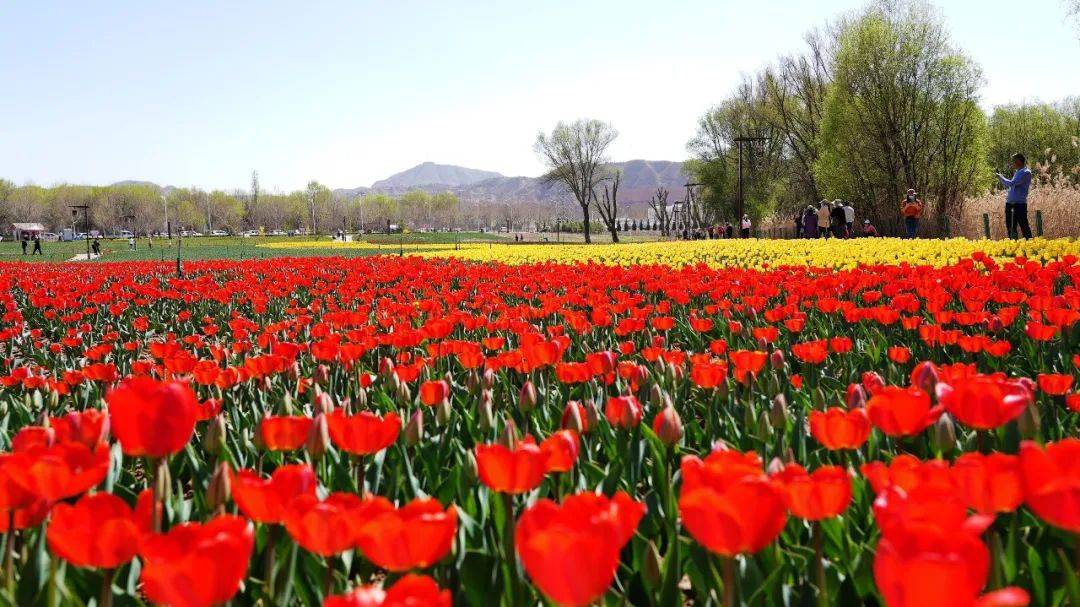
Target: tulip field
713, 423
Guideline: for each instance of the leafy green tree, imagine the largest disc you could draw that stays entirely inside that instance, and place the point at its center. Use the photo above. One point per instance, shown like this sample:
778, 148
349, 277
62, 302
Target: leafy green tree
1047, 134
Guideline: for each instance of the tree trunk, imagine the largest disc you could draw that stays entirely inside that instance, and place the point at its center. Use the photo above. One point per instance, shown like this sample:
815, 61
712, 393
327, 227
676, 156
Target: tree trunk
585, 223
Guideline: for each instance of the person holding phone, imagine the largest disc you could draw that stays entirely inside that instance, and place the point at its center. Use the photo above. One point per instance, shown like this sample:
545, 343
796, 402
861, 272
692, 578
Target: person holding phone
911, 207
1016, 195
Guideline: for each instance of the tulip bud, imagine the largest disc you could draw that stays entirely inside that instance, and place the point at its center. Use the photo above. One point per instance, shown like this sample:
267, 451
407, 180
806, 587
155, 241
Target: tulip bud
322, 403
37, 401
213, 440
872, 382
414, 430
318, 439
162, 480
572, 417
592, 415
775, 466
386, 369
488, 379
776, 359
655, 395
469, 470
924, 376
856, 396
442, 412
653, 566
403, 394
509, 436
287, 403
487, 411
763, 427
54, 400
943, 434
668, 426
220, 487
527, 397
425, 374
778, 412
472, 381
995, 326
360, 399
294, 370
322, 374
678, 372
1028, 423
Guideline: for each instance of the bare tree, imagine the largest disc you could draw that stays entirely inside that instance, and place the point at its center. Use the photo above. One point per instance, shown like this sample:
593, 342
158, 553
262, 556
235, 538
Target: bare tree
609, 207
575, 154
658, 204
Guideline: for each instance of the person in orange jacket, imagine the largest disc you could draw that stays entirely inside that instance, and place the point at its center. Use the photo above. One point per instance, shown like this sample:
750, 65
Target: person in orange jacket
911, 208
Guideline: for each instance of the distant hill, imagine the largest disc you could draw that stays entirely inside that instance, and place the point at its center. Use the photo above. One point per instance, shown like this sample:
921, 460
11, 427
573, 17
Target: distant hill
640, 178
431, 174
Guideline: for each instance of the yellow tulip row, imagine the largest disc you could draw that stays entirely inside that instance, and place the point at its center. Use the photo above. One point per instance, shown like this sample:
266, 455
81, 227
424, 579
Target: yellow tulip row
757, 253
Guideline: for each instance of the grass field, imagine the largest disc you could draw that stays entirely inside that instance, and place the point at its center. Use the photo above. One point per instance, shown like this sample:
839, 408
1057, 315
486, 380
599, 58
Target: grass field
235, 247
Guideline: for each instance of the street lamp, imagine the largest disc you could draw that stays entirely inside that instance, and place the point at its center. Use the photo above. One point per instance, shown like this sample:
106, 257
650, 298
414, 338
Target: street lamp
86, 222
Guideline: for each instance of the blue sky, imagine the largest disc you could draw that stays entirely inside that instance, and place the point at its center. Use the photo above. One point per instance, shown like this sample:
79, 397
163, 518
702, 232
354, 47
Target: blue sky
201, 93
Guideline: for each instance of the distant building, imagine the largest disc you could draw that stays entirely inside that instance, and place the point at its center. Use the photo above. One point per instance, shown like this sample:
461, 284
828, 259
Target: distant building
26, 231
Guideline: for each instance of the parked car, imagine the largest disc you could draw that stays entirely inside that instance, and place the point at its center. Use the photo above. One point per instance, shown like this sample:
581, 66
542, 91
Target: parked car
218, 233
50, 236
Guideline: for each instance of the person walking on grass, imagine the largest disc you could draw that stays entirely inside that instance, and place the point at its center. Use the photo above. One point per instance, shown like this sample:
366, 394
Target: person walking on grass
1016, 196
24, 243
37, 246
911, 208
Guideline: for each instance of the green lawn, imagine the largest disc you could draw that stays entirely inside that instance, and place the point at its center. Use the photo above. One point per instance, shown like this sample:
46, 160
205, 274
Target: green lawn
230, 247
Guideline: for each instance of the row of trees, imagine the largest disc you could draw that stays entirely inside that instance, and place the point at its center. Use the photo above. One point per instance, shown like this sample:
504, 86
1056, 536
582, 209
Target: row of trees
146, 208
877, 102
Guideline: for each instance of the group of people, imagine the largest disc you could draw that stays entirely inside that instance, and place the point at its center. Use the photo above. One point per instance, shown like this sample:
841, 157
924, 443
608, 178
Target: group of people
719, 231
36, 239
836, 219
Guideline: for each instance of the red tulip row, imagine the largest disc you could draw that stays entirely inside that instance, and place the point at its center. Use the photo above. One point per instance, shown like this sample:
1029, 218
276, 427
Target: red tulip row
380, 431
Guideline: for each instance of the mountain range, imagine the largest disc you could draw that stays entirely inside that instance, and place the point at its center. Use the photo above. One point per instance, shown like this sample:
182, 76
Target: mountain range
640, 178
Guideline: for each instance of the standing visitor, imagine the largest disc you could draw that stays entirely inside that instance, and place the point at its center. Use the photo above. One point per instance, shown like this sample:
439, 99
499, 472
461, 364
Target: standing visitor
868, 229
1016, 196
798, 224
37, 245
96, 247
23, 241
810, 222
911, 208
729, 231
836, 219
746, 226
849, 219
823, 214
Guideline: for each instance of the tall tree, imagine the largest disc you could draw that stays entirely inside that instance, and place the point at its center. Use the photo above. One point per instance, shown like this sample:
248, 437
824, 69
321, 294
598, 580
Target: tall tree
575, 154
608, 205
659, 206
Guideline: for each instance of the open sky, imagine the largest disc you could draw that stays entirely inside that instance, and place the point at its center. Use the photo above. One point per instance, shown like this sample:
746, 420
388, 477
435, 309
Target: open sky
200, 93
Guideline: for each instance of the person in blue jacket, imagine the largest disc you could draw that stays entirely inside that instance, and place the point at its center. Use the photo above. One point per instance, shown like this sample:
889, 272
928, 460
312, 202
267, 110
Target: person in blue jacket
1016, 195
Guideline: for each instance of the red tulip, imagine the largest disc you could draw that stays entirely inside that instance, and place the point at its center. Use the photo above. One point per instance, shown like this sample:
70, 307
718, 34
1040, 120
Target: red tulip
197, 565
988, 483
61, 470
728, 504
434, 392
267, 501
571, 551
1051, 481
364, 433
151, 418
415, 536
907, 472
409, 591
901, 411
708, 374
816, 496
325, 527
560, 450
1072, 402
984, 402
88, 427
98, 531
512, 471
623, 412
284, 432
1054, 384
836, 428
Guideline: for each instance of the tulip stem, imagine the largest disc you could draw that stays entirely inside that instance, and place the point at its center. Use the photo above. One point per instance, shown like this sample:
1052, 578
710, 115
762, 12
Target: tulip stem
819, 554
157, 491
728, 565
508, 545
328, 583
268, 561
9, 552
361, 469
106, 588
